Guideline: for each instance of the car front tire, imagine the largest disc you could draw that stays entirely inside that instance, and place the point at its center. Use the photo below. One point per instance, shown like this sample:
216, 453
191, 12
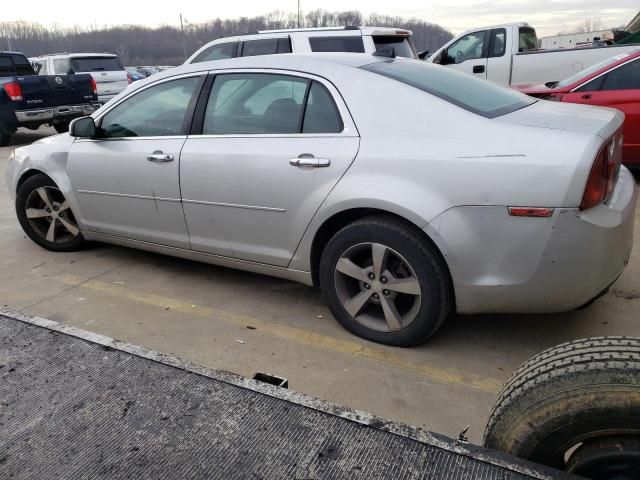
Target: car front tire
45, 215
385, 283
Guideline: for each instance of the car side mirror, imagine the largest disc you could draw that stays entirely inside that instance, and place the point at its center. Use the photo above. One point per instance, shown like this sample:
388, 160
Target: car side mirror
444, 58
83, 127
423, 54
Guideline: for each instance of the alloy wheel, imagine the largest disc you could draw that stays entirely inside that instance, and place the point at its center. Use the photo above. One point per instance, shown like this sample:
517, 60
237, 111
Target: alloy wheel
50, 216
378, 287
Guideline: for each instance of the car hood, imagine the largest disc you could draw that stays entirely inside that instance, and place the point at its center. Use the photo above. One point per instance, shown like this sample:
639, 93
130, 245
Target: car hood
567, 116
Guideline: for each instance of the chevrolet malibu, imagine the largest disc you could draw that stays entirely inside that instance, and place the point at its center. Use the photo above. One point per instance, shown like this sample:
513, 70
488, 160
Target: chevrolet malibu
406, 191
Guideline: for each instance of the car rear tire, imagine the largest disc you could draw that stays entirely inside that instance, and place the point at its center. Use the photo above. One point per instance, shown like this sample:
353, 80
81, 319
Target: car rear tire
574, 407
45, 215
61, 127
385, 283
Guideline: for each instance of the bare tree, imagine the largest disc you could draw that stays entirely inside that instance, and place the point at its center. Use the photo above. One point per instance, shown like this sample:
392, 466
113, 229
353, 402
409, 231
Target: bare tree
589, 25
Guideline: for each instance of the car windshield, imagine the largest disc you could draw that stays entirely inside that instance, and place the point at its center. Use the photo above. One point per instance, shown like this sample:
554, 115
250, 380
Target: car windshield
475, 95
96, 64
576, 77
401, 45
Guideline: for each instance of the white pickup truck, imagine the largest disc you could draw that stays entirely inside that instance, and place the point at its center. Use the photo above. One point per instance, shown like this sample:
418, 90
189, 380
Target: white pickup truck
508, 54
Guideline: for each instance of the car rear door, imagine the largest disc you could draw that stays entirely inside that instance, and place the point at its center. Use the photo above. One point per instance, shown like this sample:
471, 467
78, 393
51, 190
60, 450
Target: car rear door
618, 88
126, 181
268, 149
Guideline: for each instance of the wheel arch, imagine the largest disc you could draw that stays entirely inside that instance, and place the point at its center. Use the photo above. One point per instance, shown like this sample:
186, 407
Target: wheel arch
24, 176
341, 219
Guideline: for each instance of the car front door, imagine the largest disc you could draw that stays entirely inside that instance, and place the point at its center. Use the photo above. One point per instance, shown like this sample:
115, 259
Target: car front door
126, 181
469, 54
619, 88
269, 150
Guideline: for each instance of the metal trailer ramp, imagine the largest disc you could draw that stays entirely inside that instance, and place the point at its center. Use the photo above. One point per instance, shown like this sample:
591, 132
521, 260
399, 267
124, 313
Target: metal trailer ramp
76, 405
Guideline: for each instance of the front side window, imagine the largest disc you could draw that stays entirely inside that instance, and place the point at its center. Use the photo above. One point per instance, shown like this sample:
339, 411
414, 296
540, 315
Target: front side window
259, 103
626, 77
469, 47
497, 44
217, 52
352, 44
157, 111
473, 94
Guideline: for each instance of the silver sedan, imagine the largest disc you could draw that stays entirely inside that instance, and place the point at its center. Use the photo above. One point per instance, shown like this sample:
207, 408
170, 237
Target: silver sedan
406, 191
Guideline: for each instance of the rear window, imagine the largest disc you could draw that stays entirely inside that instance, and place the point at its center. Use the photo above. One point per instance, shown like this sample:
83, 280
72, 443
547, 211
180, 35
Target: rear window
479, 96
350, 44
95, 64
401, 45
11, 65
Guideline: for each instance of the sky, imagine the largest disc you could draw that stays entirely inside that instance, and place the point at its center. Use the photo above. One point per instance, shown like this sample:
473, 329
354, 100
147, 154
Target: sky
548, 16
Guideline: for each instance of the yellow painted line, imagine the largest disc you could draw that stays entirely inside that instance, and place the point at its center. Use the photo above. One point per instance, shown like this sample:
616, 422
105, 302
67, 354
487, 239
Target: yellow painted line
299, 335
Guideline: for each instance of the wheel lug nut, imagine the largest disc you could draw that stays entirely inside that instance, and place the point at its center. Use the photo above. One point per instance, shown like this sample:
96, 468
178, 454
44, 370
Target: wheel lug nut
375, 295
386, 292
371, 276
383, 279
367, 286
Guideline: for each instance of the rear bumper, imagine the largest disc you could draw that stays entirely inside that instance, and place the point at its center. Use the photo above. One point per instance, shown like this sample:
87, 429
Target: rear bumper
61, 112
504, 264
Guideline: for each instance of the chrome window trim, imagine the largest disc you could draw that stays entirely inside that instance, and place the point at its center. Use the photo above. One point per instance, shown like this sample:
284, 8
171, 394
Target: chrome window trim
604, 73
130, 139
349, 128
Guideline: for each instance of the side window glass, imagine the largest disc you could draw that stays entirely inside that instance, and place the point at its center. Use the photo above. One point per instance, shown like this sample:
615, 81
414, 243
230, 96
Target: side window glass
352, 44
260, 47
61, 67
156, 111
284, 45
321, 114
593, 86
497, 43
469, 47
217, 52
254, 103
626, 77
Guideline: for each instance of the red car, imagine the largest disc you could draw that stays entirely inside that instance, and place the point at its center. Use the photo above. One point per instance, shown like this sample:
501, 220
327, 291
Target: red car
614, 82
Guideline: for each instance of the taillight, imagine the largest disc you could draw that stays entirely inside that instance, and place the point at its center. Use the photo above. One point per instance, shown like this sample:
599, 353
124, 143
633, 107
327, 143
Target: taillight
94, 87
129, 79
14, 91
604, 174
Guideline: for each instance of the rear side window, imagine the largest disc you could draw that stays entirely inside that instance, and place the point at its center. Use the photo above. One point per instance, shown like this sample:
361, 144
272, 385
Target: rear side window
626, 77
475, 95
527, 39
95, 64
253, 48
353, 44
23, 67
217, 52
497, 43
260, 103
321, 114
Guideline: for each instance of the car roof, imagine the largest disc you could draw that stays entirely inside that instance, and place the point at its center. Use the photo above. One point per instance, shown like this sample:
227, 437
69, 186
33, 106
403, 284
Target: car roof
303, 62
74, 55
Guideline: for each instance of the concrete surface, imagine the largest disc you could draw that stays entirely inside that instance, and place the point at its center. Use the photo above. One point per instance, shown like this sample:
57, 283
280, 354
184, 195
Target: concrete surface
244, 323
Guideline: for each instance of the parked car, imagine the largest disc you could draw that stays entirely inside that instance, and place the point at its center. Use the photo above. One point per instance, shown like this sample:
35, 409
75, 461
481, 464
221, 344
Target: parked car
29, 100
135, 74
105, 68
614, 82
306, 40
148, 70
396, 205
508, 54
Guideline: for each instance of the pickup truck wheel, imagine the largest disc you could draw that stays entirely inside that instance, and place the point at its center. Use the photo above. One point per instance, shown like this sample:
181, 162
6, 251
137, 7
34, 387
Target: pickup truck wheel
574, 407
5, 138
45, 215
383, 282
61, 127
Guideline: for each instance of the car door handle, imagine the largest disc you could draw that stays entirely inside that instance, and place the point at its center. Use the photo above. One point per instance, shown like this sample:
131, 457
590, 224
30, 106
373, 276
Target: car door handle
159, 157
478, 69
586, 96
309, 161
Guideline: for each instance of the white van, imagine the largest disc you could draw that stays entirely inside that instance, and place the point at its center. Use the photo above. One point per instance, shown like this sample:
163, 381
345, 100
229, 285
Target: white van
110, 76
307, 40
